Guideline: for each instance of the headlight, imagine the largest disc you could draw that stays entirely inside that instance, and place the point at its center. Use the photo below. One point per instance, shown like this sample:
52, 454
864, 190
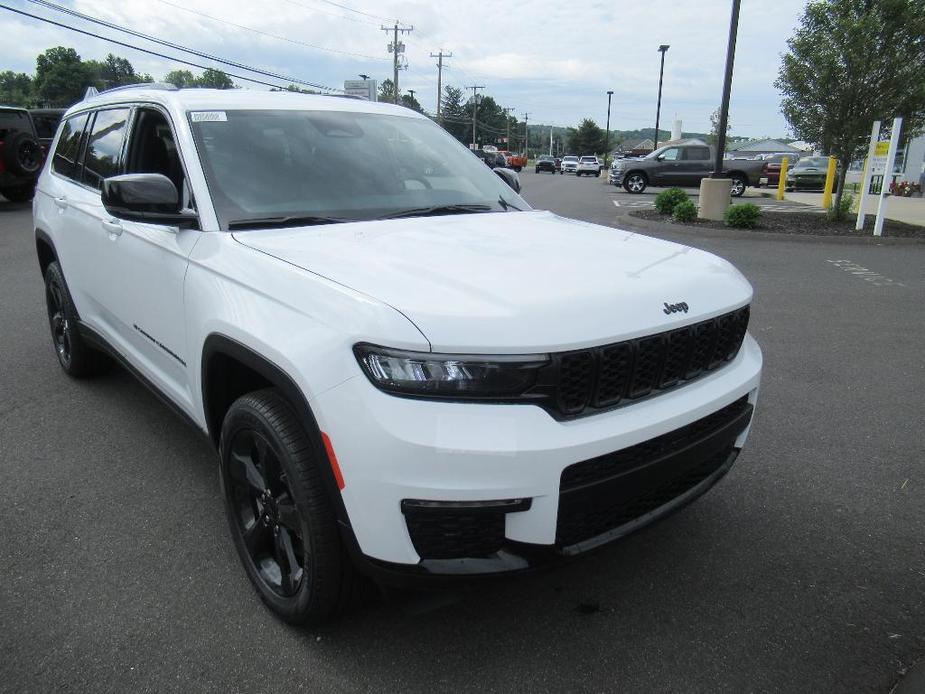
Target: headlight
450, 376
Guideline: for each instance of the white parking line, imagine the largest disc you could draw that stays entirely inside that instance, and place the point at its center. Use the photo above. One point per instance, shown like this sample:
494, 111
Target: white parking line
616, 204
864, 273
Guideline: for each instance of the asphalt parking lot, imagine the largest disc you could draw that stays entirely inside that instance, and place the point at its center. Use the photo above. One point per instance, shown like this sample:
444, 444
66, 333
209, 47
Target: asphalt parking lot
802, 571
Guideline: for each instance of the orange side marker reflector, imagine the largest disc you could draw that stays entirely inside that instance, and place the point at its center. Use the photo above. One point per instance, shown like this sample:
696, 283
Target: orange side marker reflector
332, 458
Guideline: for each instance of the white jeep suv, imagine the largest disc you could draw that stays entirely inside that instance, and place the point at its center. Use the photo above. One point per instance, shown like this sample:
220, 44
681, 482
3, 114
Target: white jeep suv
590, 166
406, 372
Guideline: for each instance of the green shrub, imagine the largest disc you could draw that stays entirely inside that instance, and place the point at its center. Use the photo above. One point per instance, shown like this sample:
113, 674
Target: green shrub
743, 216
842, 211
666, 201
685, 211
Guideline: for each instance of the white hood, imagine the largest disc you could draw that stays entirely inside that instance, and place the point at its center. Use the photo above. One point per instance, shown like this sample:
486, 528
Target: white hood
514, 282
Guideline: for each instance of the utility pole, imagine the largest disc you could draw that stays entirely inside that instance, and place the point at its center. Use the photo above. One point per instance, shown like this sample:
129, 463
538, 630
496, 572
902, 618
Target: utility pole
475, 107
727, 90
607, 147
507, 122
396, 48
526, 136
550, 143
658, 108
440, 56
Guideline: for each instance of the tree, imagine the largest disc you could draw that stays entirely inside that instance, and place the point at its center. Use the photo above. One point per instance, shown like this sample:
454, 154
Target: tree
387, 91
61, 78
453, 114
16, 89
588, 138
215, 79
852, 62
410, 102
714, 127
180, 78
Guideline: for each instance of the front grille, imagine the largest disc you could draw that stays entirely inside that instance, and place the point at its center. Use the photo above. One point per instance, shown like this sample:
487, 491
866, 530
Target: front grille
588, 380
604, 493
450, 534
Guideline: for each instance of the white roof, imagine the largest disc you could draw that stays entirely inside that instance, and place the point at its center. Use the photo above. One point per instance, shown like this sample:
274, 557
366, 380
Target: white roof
200, 99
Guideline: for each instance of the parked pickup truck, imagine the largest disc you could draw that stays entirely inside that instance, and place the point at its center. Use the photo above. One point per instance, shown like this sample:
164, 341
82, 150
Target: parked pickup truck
514, 161
681, 165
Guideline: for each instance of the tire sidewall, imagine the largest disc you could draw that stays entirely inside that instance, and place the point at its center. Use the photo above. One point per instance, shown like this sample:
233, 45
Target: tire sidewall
293, 609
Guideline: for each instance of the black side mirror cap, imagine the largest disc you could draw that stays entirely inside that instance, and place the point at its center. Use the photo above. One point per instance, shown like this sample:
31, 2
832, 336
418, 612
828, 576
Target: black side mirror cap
145, 197
510, 177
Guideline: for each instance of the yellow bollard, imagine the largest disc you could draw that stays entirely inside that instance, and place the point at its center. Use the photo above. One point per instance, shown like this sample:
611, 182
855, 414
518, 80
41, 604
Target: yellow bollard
829, 185
782, 183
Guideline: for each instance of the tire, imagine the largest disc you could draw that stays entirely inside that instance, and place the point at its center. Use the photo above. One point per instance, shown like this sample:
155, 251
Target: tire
635, 183
290, 532
23, 154
536, 171
518, 168
77, 358
738, 186
19, 193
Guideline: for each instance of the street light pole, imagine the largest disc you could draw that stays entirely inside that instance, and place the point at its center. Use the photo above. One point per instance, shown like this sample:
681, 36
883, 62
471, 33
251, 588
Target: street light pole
727, 89
607, 145
658, 108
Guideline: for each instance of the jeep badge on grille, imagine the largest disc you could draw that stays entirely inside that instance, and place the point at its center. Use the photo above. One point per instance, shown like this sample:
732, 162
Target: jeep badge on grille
675, 308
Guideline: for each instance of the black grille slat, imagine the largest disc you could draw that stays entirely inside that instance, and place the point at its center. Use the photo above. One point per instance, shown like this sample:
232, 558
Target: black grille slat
592, 379
576, 378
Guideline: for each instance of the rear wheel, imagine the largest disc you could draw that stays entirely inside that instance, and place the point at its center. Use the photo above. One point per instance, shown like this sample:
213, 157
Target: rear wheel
281, 519
19, 193
76, 357
635, 183
738, 186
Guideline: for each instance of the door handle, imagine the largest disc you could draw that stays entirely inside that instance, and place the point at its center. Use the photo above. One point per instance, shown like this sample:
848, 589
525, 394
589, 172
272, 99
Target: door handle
61, 202
112, 226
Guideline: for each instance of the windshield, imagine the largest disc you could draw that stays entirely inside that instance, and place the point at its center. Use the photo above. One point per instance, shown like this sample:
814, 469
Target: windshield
338, 166
816, 162
570, 159
589, 160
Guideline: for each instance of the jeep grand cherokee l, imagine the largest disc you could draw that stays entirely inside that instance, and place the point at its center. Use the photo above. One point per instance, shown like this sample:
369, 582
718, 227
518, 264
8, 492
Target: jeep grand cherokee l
360, 317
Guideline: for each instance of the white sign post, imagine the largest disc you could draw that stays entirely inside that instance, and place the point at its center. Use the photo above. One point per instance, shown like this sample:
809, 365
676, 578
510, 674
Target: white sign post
887, 174
362, 88
865, 178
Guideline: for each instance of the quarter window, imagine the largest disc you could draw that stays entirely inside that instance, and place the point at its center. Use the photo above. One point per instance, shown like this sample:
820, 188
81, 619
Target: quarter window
697, 154
67, 153
104, 148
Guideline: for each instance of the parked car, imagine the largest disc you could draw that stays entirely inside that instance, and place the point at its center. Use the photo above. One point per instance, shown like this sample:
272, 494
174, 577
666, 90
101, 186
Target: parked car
809, 174
681, 165
515, 161
46, 122
492, 160
21, 154
588, 165
569, 164
367, 335
545, 162
770, 172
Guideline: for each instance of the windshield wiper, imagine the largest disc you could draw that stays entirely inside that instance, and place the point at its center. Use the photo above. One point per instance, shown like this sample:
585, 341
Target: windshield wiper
285, 221
506, 205
461, 208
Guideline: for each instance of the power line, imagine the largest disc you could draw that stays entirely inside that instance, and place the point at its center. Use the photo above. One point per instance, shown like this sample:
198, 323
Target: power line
175, 46
365, 14
135, 48
268, 34
331, 14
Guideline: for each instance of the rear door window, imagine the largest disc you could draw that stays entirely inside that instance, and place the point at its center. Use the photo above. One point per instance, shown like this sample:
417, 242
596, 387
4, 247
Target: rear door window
67, 154
697, 153
104, 146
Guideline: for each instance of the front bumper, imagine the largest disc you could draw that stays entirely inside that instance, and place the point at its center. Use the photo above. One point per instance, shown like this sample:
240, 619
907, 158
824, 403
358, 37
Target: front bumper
392, 450
569, 168
615, 177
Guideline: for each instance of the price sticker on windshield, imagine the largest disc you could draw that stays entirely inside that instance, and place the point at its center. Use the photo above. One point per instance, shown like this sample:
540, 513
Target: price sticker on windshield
208, 116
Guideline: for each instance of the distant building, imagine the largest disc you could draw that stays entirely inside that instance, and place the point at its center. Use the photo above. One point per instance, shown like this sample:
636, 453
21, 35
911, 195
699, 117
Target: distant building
749, 149
914, 161
635, 148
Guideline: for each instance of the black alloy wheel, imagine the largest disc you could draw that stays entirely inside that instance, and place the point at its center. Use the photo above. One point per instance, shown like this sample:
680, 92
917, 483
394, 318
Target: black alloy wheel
266, 514
58, 320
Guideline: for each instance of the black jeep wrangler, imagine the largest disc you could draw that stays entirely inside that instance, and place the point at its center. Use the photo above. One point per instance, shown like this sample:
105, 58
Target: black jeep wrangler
21, 154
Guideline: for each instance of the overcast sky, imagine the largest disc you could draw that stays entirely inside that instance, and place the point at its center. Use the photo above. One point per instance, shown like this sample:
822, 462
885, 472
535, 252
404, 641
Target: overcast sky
555, 60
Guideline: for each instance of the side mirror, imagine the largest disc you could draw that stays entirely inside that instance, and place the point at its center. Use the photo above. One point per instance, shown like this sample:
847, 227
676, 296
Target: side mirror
660, 157
510, 177
145, 197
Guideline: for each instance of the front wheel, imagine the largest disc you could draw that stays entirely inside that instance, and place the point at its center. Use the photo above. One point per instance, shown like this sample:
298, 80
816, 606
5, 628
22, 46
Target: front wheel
281, 519
635, 183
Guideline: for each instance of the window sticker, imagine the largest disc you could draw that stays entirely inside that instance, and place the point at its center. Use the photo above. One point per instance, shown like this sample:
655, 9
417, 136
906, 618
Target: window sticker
208, 116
